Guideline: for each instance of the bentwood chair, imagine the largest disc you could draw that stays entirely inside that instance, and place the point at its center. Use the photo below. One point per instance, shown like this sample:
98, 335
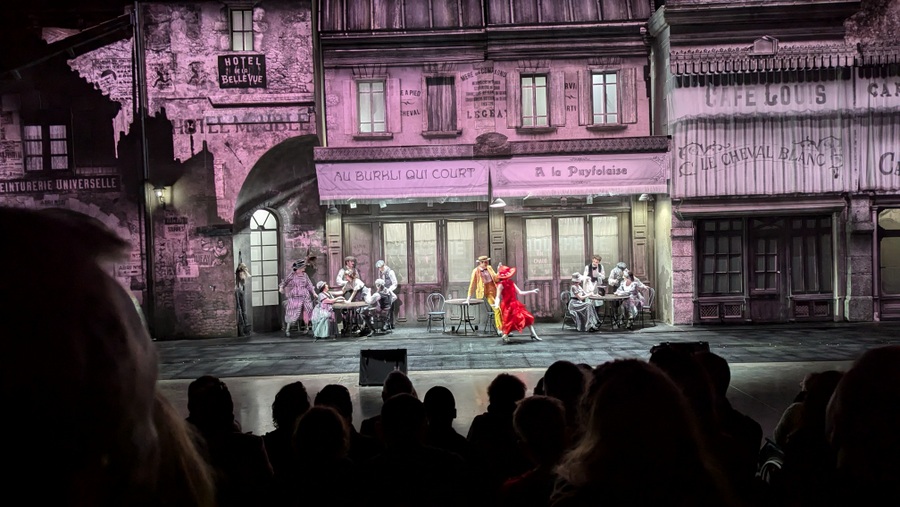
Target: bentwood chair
436, 312
647, 308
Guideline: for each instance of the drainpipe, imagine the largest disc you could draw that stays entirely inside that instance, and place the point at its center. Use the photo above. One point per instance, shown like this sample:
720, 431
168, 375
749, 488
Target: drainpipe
876, 265
139, 91
318, 76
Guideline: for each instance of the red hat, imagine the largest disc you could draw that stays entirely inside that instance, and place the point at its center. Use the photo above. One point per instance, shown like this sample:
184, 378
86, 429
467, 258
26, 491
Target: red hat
506, 272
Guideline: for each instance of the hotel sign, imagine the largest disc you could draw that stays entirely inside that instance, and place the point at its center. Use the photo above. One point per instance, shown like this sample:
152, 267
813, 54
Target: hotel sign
242, 71
107, 183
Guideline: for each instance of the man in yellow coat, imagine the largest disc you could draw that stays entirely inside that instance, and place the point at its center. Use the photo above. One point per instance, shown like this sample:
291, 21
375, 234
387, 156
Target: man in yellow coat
484, 281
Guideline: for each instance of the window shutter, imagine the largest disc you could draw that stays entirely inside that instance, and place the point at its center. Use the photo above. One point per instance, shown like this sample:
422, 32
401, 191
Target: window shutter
426, 102
392, 106
460, 101
351, 108
585, 100
557, 98
513, 100
629, 95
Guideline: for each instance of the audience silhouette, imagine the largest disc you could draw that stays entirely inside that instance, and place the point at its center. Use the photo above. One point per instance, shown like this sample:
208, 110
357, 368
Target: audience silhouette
628, 432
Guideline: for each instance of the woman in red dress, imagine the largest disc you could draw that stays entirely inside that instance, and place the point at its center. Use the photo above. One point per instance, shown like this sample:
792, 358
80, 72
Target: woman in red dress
513, 314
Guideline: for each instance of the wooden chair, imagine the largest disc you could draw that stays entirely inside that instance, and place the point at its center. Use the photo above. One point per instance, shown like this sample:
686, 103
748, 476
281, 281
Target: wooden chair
436, 312
564, 298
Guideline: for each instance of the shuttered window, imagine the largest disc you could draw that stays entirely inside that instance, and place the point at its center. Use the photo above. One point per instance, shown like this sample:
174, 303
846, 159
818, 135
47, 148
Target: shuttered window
534, 100
441, 103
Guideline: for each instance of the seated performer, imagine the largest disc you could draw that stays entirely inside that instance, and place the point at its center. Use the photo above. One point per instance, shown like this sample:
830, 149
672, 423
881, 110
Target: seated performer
379, 306
631, 307
349, 281
581, 307
617, 276
323, 314
390, 283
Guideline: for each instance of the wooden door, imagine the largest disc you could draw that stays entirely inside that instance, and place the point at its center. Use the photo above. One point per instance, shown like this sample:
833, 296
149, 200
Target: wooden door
766, 273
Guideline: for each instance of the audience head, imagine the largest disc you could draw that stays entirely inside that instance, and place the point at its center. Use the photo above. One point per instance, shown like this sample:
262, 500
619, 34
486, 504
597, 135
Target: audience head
403, 421
504, 391
89, 397
640, 444
321, 435
540, 423
539, 387
184, 476
717, 370
210, 406
291, 402
565, 381
863, 420
685, 370
337, 397
396, 383
440, 406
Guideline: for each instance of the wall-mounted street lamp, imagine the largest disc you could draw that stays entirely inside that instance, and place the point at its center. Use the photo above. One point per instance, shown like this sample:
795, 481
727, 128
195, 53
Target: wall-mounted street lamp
645, 197
498, 203
163, 195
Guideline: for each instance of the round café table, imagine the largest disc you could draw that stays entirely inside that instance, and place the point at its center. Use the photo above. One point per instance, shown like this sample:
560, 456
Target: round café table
612, 303
354, 318
465, 317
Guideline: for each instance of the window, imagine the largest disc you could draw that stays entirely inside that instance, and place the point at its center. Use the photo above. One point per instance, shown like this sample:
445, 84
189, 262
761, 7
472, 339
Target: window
242, 30
440, 104
604, 98
425, 252
721, 257
395, 255
371, 106
811, 256
46, 147
264, 258
534, 100
460, 250
539, 248
606, 240
571, 245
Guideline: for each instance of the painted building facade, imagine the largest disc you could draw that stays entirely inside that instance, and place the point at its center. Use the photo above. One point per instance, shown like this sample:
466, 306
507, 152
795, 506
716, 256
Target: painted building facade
216, 100
435, 109
782, 209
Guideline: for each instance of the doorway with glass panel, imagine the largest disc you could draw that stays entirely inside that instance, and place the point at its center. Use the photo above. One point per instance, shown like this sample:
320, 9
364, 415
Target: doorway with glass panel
888, 286
556, 247
430, 256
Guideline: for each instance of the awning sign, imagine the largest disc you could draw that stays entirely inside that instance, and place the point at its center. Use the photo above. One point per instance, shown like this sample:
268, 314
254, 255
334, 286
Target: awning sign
630, 173
382, 181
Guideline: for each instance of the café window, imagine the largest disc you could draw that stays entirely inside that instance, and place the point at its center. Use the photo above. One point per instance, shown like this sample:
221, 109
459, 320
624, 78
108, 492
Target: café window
571, 245
425, 252
440, 104
539, 248
605, 237
46, 147
811, 261
242, 29
371, 106
460, 250
721, 257
395, 253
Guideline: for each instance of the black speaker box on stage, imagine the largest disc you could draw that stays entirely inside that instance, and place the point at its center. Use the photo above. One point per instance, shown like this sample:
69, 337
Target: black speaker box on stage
376, 364
689, 347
